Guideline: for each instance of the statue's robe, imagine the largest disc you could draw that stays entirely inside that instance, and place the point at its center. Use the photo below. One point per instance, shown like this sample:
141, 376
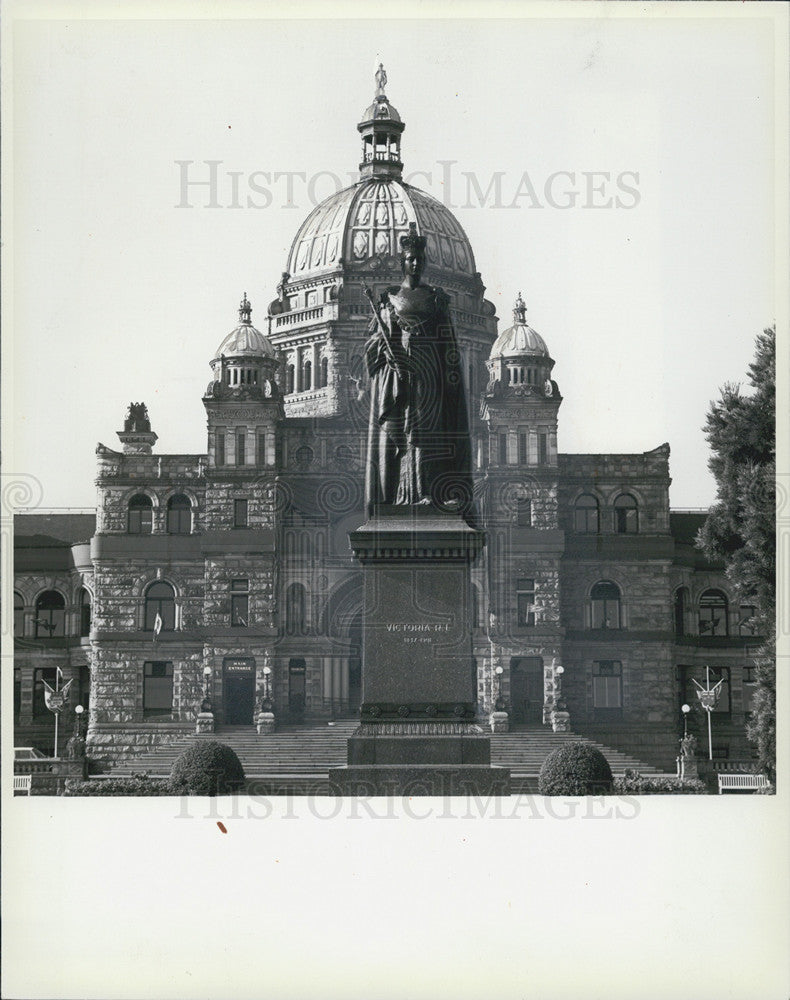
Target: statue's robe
418, 435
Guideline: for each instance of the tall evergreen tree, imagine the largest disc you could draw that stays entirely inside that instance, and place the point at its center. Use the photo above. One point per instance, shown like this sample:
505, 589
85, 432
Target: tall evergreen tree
741, 525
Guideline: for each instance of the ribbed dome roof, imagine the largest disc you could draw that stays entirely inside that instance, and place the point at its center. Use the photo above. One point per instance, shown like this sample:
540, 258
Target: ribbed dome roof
245, 341
520, 339
368, 219
381, 111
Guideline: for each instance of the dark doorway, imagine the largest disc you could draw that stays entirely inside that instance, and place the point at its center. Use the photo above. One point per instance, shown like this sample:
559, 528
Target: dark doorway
239, 691
355, 668
296, 688
526, 689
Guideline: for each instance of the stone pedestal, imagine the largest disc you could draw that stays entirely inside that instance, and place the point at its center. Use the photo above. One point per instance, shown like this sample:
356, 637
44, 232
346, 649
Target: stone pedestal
418, 733
265, 723
561, 722
688, 768
205, 722
500, 722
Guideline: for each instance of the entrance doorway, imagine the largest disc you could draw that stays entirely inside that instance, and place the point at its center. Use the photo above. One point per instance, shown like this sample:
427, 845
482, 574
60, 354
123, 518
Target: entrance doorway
526, 689
296, 688
238, 690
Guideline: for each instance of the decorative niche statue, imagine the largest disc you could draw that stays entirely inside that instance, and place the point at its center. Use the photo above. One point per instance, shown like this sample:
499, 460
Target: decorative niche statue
418, 435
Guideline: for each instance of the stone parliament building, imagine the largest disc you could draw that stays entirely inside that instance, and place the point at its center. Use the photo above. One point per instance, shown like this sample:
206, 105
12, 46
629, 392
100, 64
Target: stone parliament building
228, 575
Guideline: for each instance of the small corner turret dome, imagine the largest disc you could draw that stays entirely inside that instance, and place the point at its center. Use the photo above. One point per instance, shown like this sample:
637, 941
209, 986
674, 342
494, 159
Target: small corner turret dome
245, 341
519, 340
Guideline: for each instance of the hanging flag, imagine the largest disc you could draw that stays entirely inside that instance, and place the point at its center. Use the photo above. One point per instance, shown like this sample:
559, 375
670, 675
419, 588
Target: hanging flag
157, 625
56, 700
709, 696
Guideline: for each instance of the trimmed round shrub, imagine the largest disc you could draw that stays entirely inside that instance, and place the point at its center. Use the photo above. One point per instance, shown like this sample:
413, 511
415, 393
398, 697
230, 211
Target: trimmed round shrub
575, 769
207, 768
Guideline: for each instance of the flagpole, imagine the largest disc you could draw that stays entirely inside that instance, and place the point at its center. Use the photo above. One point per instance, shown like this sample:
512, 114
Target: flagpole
710, 738
57, 688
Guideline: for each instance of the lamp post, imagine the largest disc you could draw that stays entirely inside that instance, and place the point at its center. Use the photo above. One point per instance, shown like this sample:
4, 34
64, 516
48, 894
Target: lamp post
267, 673
78, 710
499, 704
206, 705
685, 709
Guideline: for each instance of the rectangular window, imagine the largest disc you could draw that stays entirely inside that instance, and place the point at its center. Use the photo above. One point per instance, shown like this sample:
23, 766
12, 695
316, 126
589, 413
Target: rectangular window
503, 449
157, 689
17, 692
543, 448
261, 448
523, 512
239, 513
525, 594
240, 603
220, 448
608, 686
522, 447
241, 447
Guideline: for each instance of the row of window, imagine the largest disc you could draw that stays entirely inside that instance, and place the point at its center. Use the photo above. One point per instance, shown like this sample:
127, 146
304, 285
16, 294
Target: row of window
301, 379
606, 610
607, 686
248, 449
523, 453
179, 515
587, 515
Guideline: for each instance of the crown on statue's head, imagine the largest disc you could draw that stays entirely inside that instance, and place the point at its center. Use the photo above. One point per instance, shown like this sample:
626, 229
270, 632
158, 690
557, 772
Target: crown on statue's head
412, 242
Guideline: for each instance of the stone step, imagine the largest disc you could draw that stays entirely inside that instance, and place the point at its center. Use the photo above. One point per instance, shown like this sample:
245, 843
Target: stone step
307, 752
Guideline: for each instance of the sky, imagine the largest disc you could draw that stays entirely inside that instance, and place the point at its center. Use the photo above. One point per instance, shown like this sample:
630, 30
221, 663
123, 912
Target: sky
635, 167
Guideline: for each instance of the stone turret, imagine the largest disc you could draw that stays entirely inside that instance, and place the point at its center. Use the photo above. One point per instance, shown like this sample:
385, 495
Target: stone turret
137, 437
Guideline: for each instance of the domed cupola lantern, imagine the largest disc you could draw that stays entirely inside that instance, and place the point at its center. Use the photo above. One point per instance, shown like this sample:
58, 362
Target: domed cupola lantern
381, 129
245, 364
521, 400
519, 361
243, 401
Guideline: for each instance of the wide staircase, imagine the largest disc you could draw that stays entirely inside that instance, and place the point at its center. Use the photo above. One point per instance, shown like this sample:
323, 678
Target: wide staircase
296, 759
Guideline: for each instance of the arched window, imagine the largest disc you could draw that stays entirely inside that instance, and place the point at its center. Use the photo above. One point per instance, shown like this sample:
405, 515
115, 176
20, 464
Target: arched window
85, 613
50, 614
179, 515
324, 372
307, 375
19, 614
141, 515
681, 607
289, 379
626, 515
605, 605
160, 603
295, 610
586, 517
713, 613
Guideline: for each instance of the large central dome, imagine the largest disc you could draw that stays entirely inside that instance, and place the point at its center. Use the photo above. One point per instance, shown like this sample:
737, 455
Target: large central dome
368, 219
347, 249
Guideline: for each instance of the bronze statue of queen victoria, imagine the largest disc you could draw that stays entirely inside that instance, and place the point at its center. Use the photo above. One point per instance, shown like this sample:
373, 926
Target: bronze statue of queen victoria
418, 436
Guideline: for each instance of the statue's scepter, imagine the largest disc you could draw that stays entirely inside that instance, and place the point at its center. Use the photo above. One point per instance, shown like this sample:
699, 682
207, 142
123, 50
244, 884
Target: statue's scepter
382, 330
